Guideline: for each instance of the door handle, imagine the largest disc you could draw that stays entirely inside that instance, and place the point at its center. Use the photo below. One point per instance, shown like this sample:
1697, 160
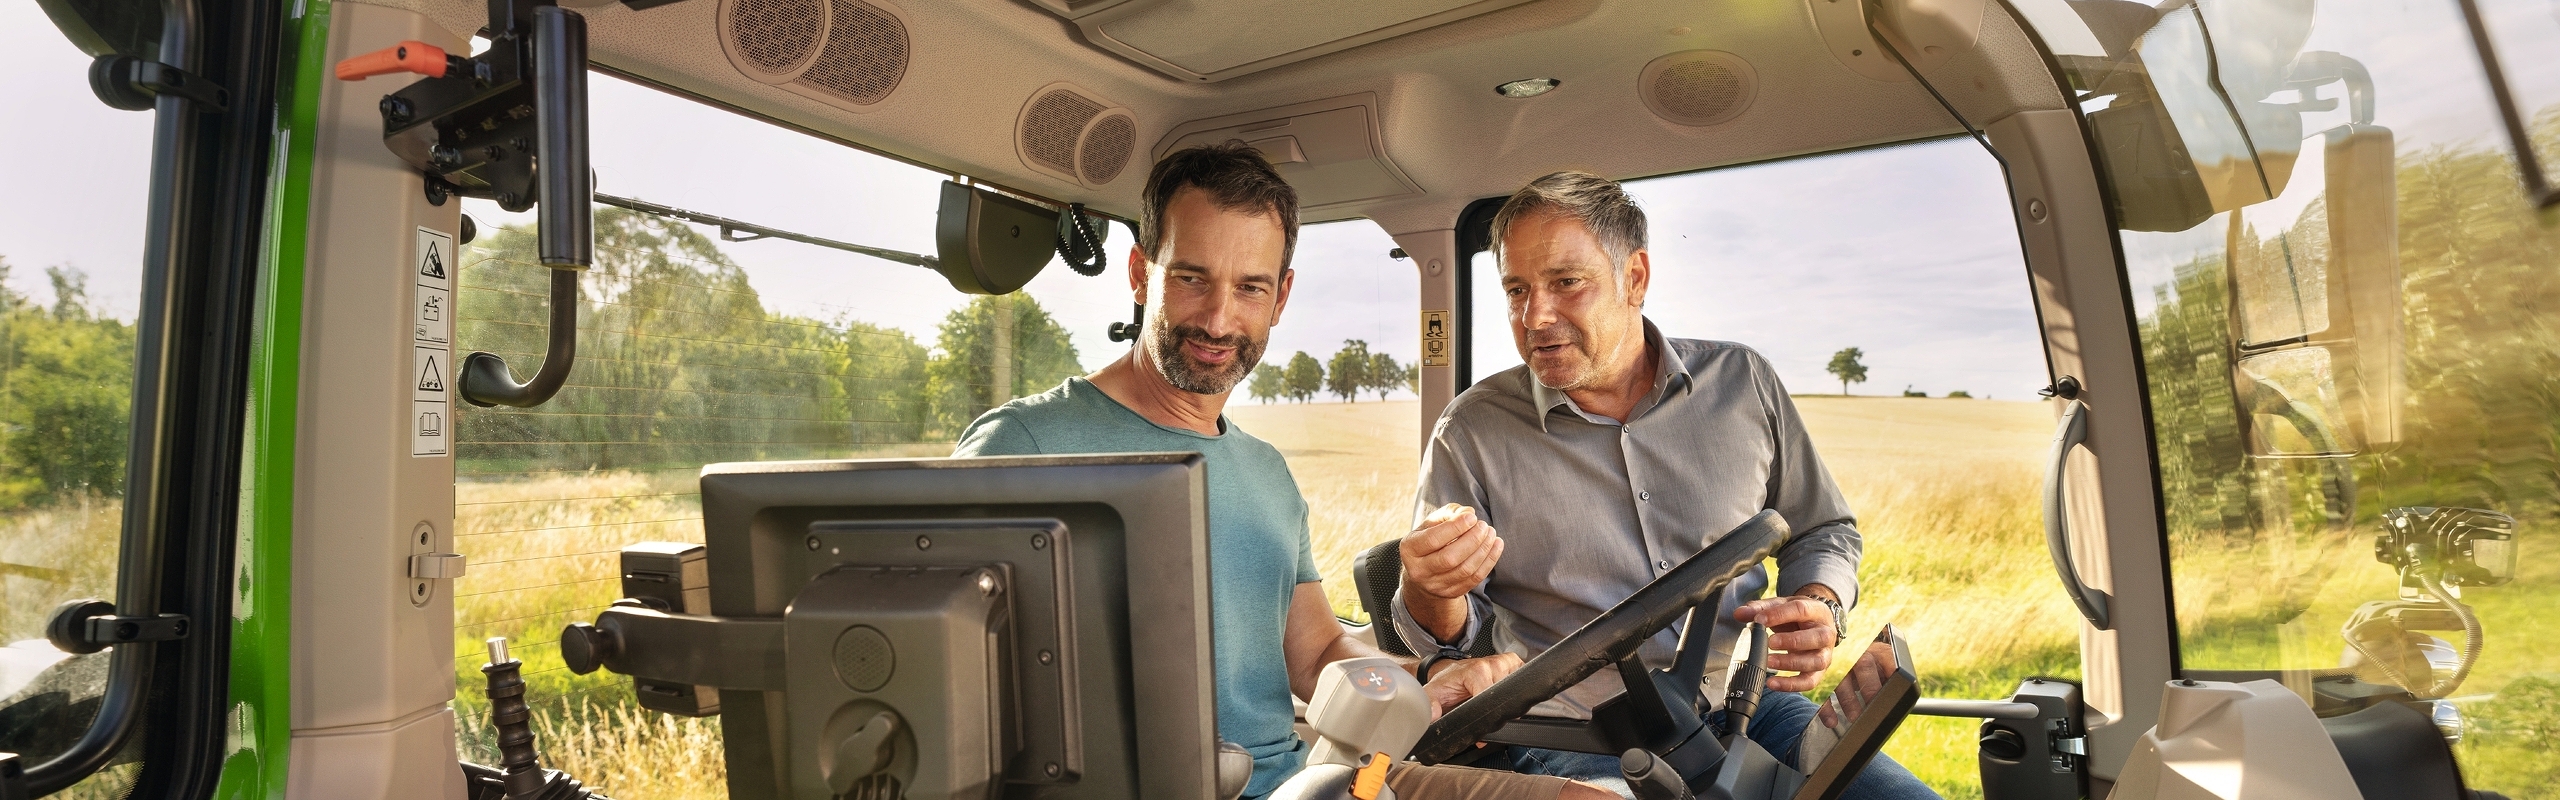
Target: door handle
2072, 432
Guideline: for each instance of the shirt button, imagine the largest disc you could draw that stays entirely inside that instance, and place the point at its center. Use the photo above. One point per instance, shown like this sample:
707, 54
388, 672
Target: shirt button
1645, 496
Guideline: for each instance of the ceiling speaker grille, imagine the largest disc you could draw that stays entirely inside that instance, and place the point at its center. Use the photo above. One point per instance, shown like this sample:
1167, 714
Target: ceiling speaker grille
1051, 125
865, 56
1106, 148
1698, 87
776, 37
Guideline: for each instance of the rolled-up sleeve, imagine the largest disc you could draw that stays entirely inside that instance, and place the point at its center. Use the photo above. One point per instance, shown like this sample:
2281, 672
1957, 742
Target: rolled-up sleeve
1446, 478
1826, 547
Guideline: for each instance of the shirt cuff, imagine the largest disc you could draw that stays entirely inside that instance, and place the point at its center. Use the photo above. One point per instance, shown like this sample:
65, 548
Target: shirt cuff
1420, 638
1840, 574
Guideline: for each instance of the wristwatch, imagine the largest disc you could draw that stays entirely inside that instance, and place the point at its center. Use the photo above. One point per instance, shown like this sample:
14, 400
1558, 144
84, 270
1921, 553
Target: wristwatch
1422, 671
1839, 618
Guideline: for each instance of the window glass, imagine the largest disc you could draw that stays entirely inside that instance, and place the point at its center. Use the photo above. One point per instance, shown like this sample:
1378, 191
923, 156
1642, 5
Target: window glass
695, 350
1335, 394
1887, 290
70, 288
2351, 368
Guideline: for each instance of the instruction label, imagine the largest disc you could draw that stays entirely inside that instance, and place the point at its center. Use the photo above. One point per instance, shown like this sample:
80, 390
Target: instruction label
430, 378
1435, 338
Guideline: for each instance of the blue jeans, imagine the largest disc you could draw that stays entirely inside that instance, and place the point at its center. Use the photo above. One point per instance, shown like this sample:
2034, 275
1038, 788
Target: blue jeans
1781, 722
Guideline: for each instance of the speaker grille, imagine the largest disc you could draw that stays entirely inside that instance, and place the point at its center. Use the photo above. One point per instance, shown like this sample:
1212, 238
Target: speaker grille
865, 55
776, 36
1050, 127
1698, 87
1106, 148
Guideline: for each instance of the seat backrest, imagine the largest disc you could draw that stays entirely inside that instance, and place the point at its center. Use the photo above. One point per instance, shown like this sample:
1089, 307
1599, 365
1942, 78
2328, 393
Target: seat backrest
1376, 572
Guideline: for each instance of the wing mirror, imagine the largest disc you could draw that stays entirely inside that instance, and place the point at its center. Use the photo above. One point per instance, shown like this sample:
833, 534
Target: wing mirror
2317, 368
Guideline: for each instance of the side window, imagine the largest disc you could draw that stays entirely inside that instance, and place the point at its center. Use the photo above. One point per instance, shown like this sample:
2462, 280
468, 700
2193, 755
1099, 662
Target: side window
71, 241
1335, 394
1887, 290
2341, 320
695, 350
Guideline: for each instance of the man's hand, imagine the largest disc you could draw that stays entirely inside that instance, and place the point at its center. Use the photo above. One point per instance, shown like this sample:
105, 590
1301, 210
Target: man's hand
1800, 639
1864, 680
1455, 680
1449, 556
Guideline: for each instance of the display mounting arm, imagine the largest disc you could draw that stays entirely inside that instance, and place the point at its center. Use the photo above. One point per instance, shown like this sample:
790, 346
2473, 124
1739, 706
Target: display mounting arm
509, 125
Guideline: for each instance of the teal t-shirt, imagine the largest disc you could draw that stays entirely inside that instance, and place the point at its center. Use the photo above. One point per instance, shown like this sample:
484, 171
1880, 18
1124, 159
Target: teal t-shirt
1258, 547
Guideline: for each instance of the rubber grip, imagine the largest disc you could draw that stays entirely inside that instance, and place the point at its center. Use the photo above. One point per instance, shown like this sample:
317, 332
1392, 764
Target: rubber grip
1371, 777
410, 56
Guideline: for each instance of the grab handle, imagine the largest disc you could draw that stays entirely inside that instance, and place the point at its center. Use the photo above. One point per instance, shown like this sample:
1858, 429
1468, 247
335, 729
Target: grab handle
2072, 432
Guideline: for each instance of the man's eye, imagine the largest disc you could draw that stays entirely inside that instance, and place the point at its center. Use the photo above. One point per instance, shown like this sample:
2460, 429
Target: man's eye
1569, 282
1515, 291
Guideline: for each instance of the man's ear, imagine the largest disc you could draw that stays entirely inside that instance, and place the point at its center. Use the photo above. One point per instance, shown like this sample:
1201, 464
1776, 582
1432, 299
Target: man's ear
1137, 275
1288, 278
1639, 276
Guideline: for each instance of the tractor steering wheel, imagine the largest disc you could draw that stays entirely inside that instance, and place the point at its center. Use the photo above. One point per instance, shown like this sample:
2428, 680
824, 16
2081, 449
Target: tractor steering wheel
1606, 640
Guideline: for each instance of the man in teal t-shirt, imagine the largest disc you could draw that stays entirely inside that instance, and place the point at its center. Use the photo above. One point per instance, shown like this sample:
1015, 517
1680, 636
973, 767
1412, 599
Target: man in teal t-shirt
1212, 269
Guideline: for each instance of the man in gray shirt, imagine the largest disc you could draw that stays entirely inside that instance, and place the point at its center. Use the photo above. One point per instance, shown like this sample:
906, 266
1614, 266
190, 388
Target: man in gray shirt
1613, 454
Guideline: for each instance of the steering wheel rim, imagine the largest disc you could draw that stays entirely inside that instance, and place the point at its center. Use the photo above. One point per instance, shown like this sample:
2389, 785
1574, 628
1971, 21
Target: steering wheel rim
1606, 639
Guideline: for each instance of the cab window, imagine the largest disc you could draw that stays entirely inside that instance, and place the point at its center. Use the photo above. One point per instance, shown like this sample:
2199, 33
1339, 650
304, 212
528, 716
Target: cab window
2340, 321
71, 240
1887, 290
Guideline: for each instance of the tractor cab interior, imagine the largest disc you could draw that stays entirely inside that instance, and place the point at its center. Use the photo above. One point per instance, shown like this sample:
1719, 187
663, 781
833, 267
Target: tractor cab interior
551, 387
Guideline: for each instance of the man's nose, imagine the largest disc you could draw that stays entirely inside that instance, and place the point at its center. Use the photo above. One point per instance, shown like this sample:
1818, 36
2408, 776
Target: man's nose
1534, 311
1218, 315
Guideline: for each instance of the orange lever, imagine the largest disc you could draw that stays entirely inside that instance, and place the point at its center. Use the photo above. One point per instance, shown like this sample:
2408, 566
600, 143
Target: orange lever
419, 57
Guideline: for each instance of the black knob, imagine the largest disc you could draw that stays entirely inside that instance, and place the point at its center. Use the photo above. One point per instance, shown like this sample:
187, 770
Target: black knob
2000, 743
585, 647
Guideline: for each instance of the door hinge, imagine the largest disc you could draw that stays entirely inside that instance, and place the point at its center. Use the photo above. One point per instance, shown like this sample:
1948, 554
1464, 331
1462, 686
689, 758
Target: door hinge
88, 626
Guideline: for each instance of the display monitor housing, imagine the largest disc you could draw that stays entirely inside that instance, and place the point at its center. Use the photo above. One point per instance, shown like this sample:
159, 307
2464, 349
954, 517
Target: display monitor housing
1124, 609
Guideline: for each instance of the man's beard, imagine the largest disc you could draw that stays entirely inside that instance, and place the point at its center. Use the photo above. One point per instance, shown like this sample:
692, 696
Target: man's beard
1165, 343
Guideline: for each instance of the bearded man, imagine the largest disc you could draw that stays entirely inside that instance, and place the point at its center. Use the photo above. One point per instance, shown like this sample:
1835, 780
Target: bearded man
1212, 269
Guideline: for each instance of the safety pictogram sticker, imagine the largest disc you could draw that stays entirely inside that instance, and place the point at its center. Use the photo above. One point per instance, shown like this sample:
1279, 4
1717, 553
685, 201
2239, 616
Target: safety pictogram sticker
1437, 346
430, 376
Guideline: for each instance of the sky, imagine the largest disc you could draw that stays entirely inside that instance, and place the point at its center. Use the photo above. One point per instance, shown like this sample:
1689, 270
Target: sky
1907, 253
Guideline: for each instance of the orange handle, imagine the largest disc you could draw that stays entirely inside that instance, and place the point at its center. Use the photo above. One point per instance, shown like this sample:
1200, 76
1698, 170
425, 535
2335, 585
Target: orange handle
1371, 777
419, 57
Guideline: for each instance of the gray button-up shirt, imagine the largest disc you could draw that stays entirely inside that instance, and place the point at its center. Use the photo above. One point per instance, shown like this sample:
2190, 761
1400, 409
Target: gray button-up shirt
1590, 510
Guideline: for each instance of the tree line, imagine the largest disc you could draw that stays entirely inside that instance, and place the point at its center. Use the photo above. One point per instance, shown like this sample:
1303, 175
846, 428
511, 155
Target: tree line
680, 363
1352, 370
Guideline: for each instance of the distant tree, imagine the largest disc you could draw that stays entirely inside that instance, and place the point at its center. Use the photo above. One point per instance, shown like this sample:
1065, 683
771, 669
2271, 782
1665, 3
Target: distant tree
1304, 378
962, 383
1846, 367
66, 377
1385, 375
1959, 394
1269, 382
1347, 375
1907, 391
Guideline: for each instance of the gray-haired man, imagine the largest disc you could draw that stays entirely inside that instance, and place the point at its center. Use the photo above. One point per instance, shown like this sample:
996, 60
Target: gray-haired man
1611, 455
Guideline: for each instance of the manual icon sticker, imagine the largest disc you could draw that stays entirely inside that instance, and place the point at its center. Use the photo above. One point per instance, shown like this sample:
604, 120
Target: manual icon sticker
430, 377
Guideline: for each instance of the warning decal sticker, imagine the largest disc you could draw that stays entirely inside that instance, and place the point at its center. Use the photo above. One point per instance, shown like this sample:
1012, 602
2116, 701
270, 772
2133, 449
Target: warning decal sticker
430, 376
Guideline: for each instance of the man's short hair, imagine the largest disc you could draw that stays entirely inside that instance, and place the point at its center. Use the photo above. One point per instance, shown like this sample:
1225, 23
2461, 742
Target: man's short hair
1235, 176
1600, 204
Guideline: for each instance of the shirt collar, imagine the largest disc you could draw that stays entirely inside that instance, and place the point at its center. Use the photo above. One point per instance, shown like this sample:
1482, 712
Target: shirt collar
1670, 371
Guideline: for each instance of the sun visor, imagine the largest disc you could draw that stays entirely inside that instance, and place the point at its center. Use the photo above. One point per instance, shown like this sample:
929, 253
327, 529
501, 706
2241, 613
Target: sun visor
990, 243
